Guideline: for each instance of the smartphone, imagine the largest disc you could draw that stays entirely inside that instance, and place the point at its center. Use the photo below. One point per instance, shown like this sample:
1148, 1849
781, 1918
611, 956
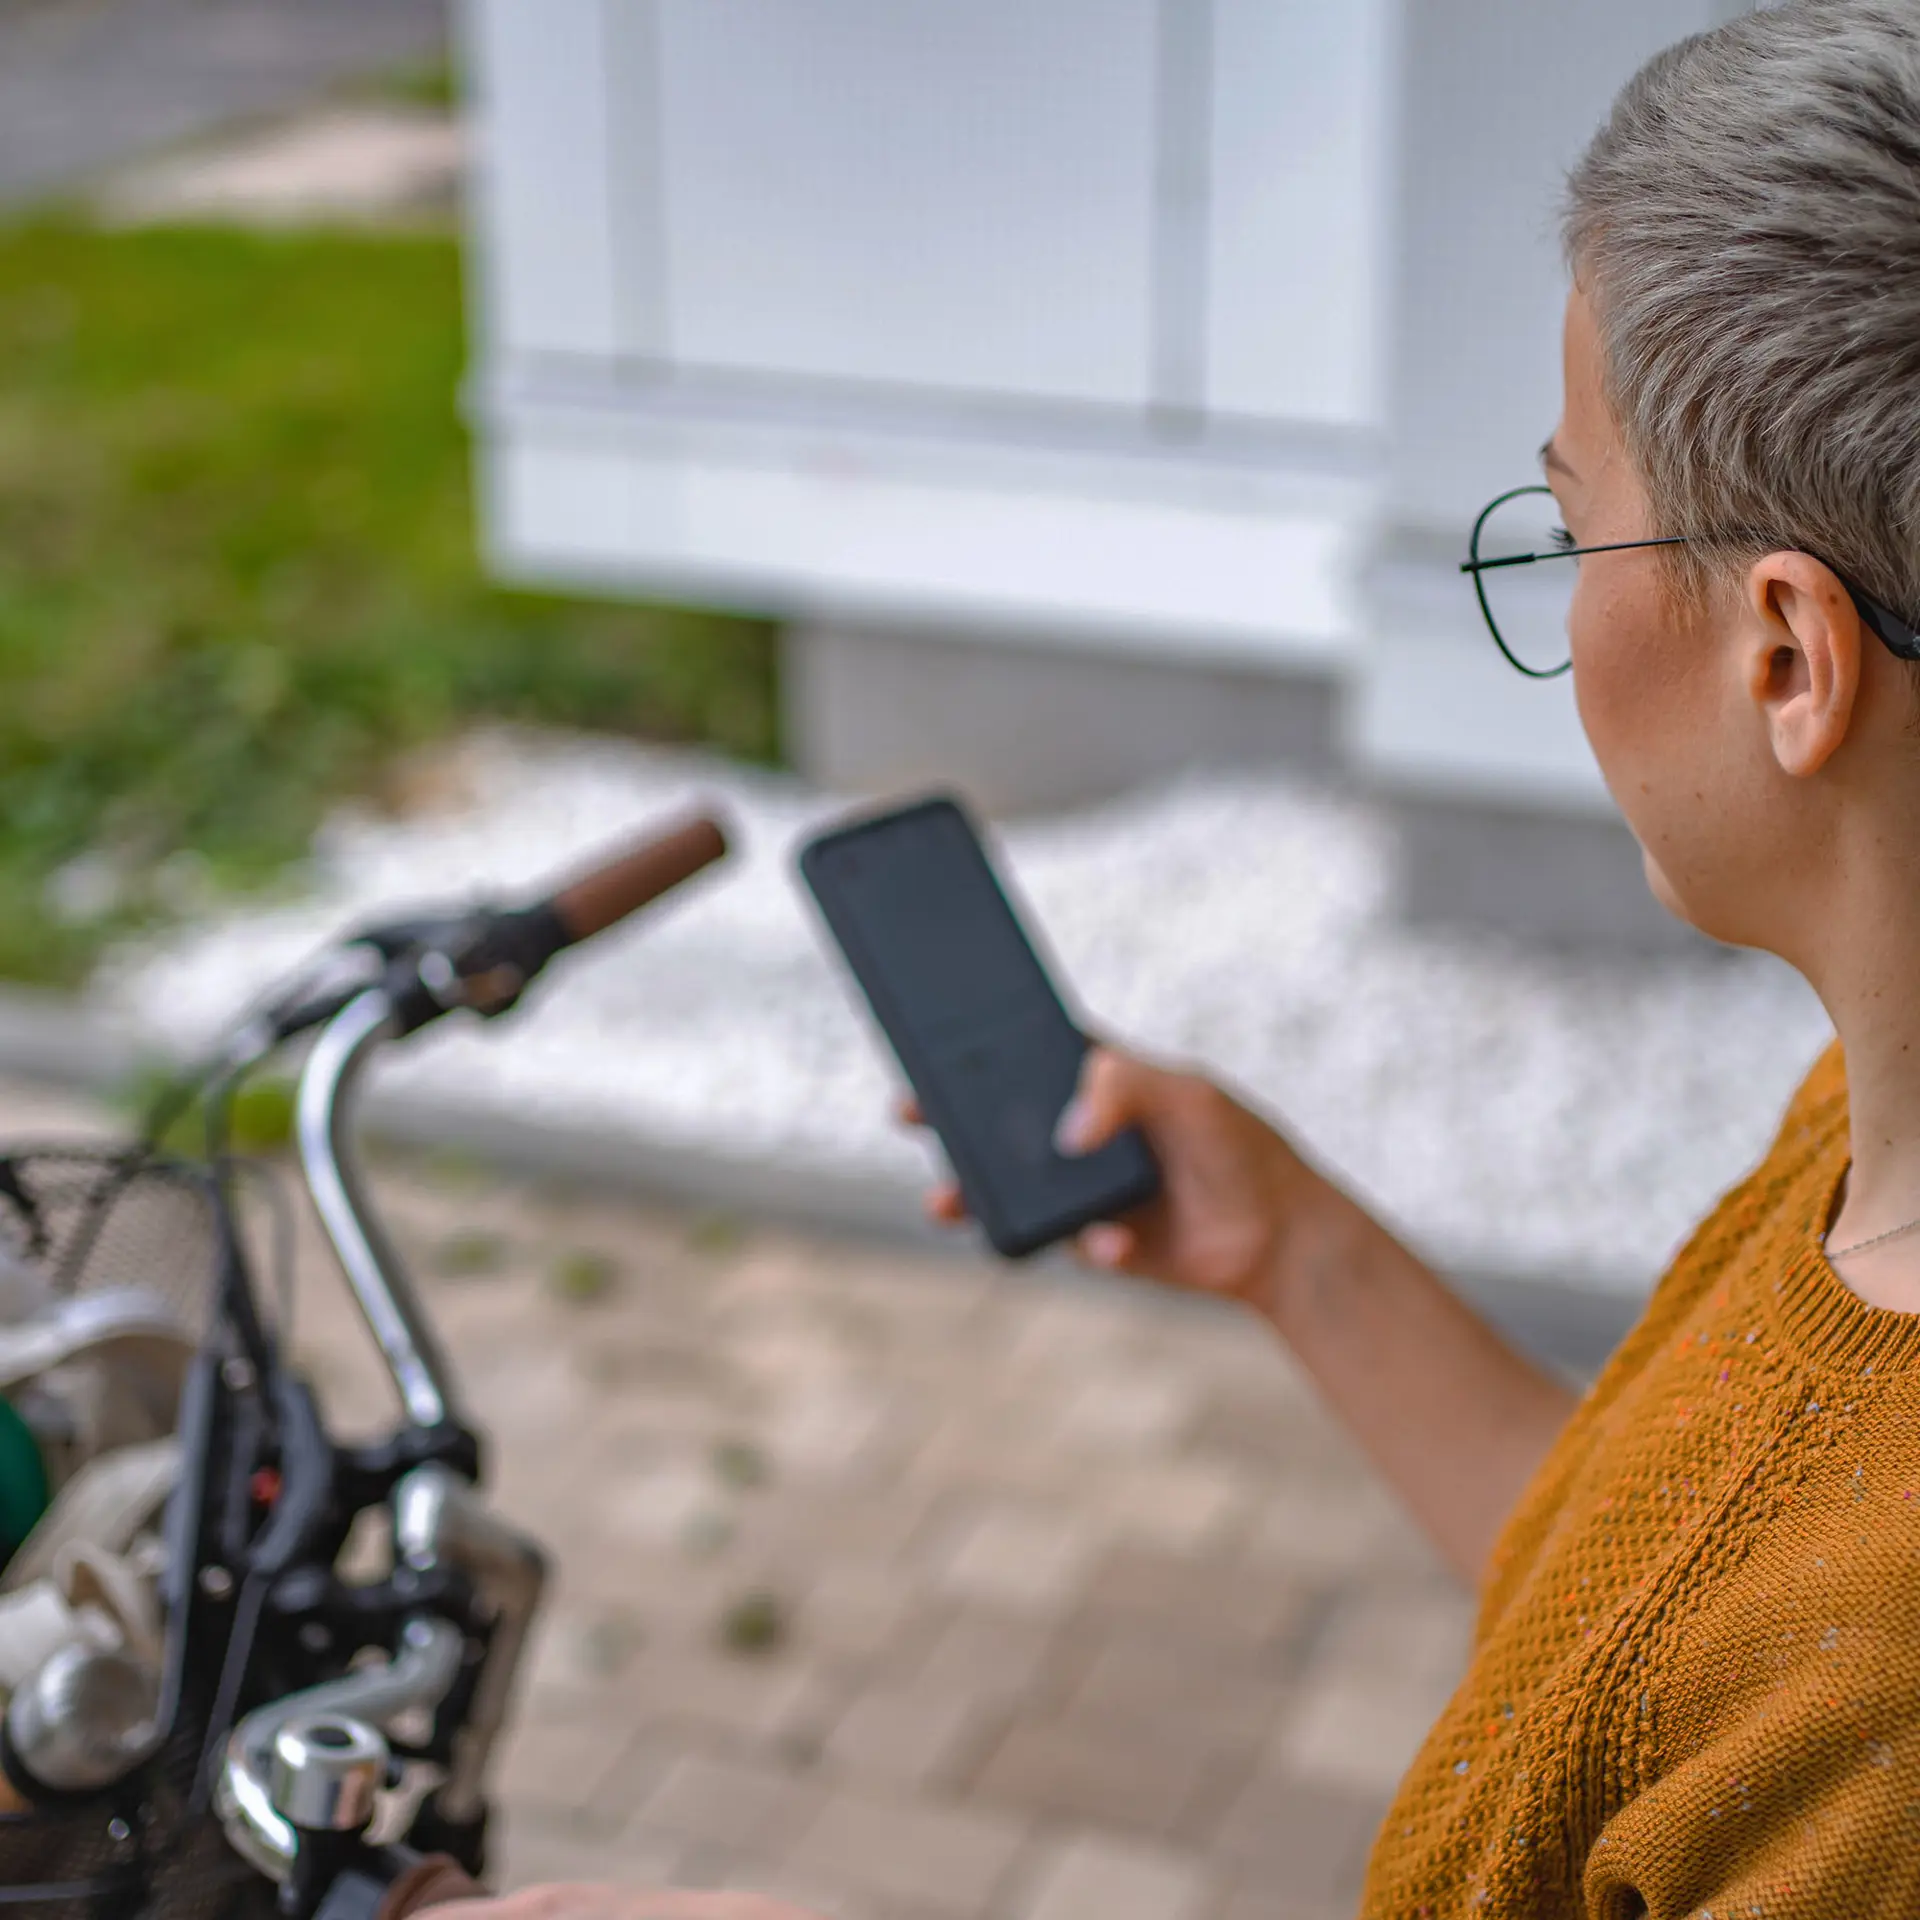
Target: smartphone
984, 1038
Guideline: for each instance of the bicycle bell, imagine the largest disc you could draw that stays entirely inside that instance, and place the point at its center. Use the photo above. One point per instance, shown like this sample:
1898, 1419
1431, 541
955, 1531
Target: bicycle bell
327, 1770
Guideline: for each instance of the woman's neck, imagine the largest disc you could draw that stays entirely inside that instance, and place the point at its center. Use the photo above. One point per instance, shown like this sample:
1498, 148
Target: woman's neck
1869, 980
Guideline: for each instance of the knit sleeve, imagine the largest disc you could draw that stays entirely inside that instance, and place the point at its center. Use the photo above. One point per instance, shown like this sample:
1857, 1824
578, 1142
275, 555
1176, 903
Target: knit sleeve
1794, 1815
1763, 1758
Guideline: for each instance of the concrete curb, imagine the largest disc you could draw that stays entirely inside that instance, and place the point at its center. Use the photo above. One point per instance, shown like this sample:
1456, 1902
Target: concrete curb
1571, 1321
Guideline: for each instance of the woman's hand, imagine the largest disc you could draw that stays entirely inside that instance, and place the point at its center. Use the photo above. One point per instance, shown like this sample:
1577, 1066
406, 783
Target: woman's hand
1230, 1187
589, 1902
1456, 1419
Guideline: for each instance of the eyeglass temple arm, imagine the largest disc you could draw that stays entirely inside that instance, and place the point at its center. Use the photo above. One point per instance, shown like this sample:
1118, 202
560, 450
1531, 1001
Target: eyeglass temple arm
1898, 636
1568, 553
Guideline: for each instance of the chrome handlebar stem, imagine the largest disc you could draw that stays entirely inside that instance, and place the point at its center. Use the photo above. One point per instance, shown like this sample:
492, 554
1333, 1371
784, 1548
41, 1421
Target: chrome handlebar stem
439, 1518
323, 1128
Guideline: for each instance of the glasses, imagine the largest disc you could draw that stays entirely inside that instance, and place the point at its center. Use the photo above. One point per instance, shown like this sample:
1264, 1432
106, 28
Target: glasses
1527, 613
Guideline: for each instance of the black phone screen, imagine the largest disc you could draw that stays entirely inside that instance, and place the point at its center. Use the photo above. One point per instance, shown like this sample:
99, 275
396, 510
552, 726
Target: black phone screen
990, 1049
935, 930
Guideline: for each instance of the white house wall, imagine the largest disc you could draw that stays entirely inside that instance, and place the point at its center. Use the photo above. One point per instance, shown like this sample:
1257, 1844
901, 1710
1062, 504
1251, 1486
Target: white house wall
1134, 321
1298, 181
1167, 556
870, 192
778, 275
545, 192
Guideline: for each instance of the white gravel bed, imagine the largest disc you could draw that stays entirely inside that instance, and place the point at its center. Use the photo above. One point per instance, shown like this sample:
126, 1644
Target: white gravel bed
1508, 1110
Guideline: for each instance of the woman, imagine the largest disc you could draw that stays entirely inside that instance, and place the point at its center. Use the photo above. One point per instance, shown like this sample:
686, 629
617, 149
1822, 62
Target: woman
1695, 1686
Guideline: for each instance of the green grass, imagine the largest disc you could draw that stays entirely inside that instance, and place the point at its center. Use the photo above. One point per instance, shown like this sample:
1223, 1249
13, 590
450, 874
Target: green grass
238, 577
432, 84
259, 1120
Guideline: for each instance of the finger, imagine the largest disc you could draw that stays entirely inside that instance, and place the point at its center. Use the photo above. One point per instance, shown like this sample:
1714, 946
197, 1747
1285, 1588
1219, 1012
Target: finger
1108, 1245
1103, 1103
945, 1206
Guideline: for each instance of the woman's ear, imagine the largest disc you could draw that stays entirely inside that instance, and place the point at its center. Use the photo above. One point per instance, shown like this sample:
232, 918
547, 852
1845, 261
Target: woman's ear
1802, 652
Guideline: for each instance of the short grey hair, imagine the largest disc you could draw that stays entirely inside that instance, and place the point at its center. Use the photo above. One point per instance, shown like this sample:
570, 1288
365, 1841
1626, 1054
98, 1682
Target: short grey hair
1747, 228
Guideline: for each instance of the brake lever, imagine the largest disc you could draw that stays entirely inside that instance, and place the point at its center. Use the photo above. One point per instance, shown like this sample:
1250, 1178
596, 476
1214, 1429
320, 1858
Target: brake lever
482, 964
399, 955
394, 939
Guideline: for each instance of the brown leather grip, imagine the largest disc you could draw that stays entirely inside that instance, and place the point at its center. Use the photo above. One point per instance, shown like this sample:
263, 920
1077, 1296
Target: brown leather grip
592, 903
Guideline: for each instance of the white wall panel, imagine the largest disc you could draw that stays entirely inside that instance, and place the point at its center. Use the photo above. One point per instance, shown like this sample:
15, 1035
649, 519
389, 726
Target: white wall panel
945, 195
1299, 200
544, 212
870, 535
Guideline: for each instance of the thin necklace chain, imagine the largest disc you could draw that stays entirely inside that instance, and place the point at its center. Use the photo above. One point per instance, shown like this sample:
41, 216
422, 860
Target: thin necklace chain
1860, 1246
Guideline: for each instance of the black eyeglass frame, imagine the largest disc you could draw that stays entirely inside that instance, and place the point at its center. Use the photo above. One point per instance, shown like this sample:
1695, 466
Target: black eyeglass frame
1899, 639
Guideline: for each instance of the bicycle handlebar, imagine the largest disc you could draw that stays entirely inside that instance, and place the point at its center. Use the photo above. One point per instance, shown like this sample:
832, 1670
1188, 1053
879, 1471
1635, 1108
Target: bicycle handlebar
483, 961
388, 982
496, 951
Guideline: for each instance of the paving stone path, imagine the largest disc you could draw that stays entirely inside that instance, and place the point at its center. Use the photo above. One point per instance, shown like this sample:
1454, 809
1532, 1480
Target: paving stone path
1078, 1607
912, 1588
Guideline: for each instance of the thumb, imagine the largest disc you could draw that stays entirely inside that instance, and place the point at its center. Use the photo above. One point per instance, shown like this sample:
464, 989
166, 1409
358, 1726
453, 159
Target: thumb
1104, 1103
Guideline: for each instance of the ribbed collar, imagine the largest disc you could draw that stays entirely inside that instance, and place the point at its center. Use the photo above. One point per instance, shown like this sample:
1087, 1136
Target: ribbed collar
1818, 1314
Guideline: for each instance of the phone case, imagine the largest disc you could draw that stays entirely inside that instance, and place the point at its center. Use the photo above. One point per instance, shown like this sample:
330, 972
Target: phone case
992, 1085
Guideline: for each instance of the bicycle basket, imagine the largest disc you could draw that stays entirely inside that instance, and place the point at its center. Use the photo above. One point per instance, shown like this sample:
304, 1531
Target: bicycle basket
95, 1217
86, 1219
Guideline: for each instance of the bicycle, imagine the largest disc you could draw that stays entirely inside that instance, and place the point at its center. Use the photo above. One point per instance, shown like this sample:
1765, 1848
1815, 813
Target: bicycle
303, 1741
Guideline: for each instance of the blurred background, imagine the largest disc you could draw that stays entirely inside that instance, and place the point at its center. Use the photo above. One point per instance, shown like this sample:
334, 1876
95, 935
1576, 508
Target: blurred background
433, 441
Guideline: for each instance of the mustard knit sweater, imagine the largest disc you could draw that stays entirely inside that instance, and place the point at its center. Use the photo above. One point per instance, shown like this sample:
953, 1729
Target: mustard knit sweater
1695, 1684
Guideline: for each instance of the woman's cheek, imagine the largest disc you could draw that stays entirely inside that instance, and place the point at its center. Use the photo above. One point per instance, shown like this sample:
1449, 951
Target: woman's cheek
1647, 717
1596, 694
1618, 674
